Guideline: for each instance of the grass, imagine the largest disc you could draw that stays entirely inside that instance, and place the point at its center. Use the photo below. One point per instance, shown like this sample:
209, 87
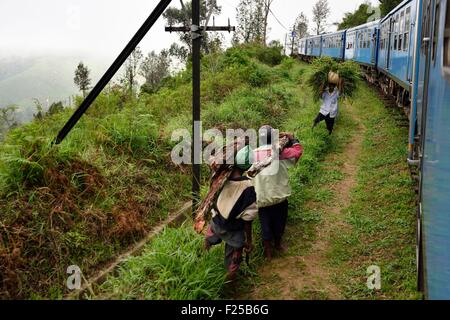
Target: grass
291, 96
380, 217
382, 210
112, 180
310, 180
173, 267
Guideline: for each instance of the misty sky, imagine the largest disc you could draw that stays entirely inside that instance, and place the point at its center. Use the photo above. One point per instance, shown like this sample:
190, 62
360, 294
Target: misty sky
103, 27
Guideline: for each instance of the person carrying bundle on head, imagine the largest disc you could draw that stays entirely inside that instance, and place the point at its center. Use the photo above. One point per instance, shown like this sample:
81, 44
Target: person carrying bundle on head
330, 96
233, 214
273, 188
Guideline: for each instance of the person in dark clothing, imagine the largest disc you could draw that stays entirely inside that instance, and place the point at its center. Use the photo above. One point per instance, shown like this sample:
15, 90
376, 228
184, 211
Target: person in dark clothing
330, 108
273, 189
233, 214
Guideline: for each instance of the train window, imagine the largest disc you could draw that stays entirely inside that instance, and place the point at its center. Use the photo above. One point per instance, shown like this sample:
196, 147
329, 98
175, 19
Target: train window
436, 31
426, 25
401, 30
402, 22
447, 40
407, 29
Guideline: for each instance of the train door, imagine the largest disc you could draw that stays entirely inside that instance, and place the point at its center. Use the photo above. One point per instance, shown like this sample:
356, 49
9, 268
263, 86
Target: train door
421, 112
390, 46
388, 30
350, 46
373, 45
435, 158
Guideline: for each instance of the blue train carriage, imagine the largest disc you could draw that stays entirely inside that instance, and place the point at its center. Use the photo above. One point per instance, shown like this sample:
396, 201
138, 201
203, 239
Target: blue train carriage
302, 47
432, 94
362, 44
314, 46
333, 45
396, 51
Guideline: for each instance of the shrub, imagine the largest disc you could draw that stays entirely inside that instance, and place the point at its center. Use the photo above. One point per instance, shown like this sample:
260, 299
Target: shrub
25, 159
271, 56
235, 56
258, 75
126, 132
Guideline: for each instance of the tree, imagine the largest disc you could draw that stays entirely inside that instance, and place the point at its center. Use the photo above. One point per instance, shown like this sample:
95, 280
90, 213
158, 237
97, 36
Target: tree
176, 16
82, 79
7, 119
250, 16
321, 12
154, 69
300, 28
267, 5
55, 108
131, 70
386, 6
40, 110
360, 16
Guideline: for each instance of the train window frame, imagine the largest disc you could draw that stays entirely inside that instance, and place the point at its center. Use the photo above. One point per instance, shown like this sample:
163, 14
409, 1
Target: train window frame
406, 41
425, 24
401, 30
436, 33
446, 46
396, 20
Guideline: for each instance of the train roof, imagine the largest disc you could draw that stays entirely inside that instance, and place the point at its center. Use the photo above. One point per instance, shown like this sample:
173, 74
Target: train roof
366, 25
397, 8
333, 33
312, 37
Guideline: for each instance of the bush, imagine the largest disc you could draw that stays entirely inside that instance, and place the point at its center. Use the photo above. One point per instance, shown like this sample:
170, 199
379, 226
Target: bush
126, 132
258, 75
25, 159
235, 56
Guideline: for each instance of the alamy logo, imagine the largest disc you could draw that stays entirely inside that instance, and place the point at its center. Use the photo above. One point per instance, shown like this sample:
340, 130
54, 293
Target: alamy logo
374, 279
210, 144
74, 280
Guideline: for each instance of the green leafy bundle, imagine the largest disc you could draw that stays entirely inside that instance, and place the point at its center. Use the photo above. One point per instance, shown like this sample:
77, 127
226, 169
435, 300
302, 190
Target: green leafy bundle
348, 71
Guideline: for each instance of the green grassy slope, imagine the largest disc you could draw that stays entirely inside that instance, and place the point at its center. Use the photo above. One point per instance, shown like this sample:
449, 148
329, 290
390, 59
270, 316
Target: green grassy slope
166, 271
112, 180
104, 188
382, 210
159, 273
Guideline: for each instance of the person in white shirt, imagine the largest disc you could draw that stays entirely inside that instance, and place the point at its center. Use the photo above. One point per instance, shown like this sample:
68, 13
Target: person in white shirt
330, 108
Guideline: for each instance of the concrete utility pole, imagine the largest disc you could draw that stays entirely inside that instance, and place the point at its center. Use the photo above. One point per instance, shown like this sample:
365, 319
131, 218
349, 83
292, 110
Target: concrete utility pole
196, 147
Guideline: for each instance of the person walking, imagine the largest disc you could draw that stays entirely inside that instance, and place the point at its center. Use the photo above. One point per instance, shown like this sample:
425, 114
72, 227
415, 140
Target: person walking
330, 105
273, 189
233, 214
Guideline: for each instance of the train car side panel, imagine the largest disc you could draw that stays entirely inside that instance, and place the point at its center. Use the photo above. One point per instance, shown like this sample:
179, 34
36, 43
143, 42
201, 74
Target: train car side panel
435, 191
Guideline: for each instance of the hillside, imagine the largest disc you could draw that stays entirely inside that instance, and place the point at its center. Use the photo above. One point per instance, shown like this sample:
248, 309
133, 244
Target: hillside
112, 179
350, 209
42, 77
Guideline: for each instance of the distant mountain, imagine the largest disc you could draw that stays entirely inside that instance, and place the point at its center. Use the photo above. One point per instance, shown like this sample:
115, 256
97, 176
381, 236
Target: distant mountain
46, 78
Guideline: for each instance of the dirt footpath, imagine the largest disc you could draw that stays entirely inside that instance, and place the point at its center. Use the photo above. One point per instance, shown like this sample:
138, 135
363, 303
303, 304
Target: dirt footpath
309, 276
